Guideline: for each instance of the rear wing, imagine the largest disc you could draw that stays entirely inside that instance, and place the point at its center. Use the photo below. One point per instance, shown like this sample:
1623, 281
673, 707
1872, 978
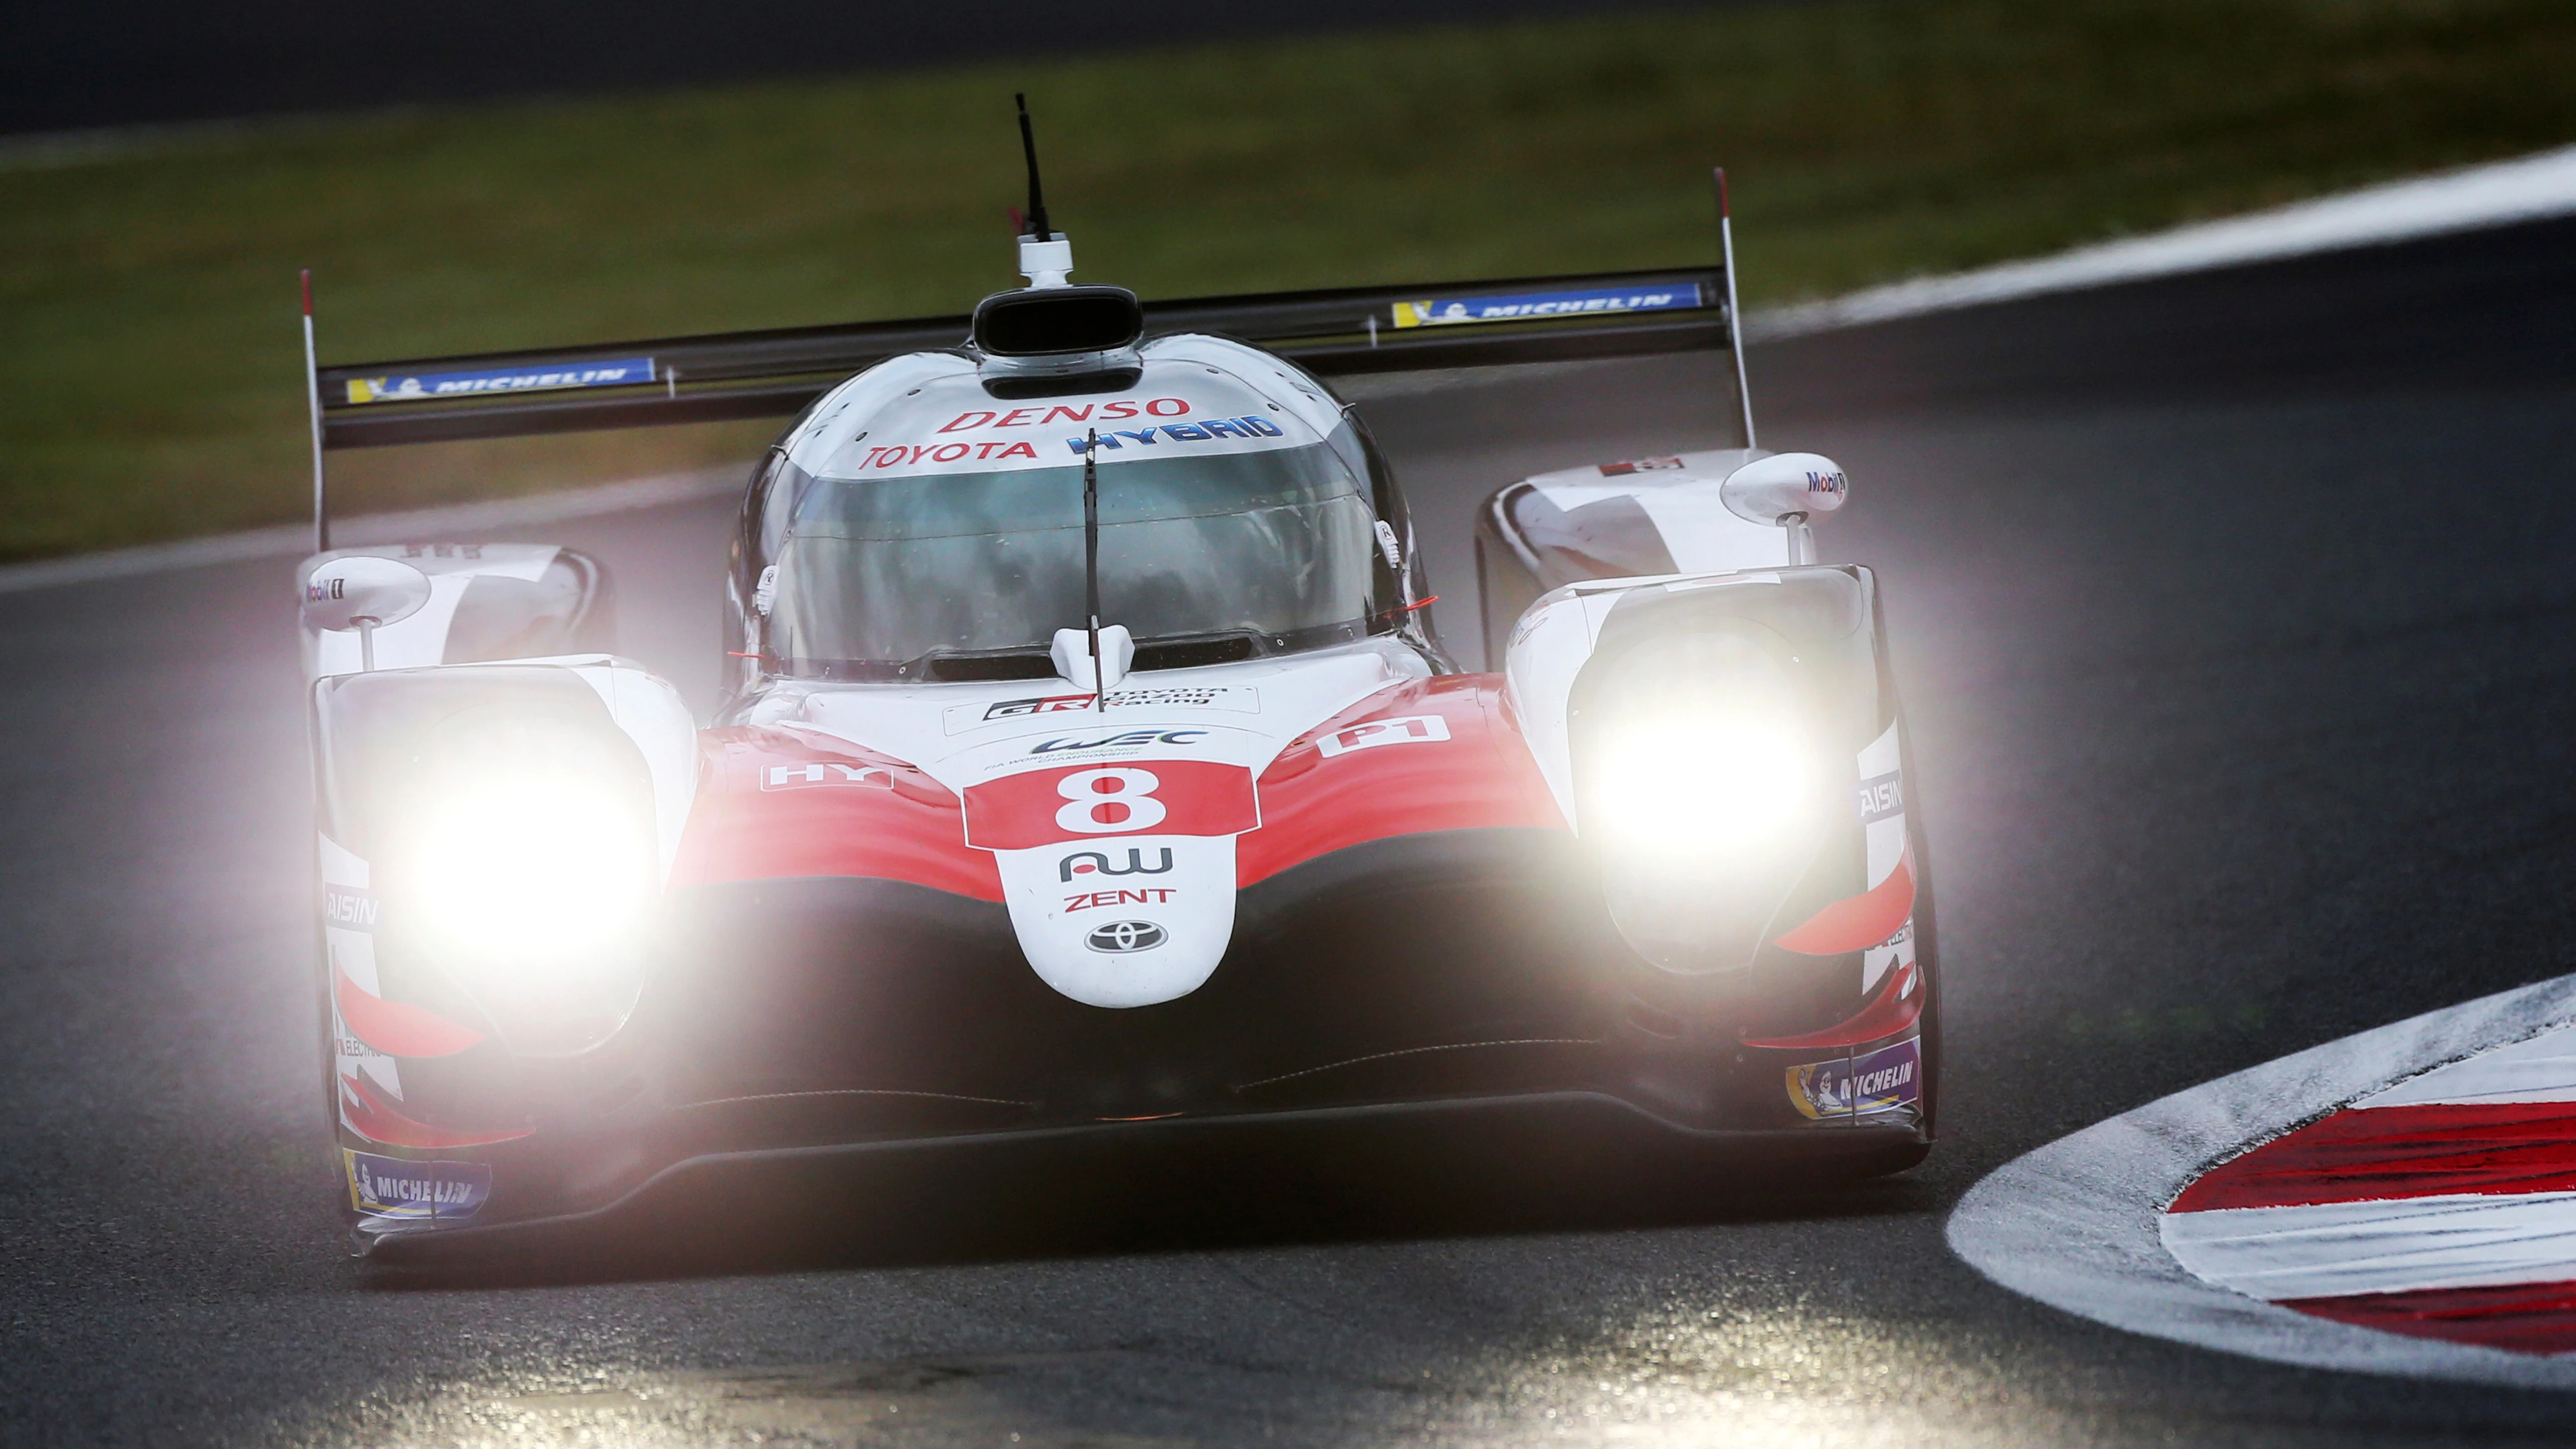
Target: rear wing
734, 375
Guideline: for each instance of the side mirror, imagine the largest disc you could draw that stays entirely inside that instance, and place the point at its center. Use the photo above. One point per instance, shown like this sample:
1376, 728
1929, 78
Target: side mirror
1785, 490
363, 593
1771, 490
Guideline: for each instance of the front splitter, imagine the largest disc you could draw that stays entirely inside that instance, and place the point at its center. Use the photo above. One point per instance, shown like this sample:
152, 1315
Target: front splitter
1860, 1148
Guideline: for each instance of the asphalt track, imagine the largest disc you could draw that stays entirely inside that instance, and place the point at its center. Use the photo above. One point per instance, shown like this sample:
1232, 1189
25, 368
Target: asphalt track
2234, 614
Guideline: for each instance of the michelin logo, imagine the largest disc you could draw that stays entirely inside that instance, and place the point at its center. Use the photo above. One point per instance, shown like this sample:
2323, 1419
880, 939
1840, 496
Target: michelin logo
394, 1187
429, 385
1439, 312
1883, 1081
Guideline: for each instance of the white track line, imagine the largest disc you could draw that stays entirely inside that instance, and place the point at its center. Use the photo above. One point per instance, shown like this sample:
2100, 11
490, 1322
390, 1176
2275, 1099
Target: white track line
2539, 1070
2498, 194
2492, 195
418, 525
2078, 1224
2403, 1245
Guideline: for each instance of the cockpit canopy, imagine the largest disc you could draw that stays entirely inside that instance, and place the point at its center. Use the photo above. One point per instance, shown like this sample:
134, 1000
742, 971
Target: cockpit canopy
944, 541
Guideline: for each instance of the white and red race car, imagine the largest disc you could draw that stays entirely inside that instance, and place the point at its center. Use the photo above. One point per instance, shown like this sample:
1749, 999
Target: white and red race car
1089, 764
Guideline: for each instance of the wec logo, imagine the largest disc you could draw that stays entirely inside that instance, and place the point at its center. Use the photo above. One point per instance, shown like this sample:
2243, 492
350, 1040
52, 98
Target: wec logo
1124, 740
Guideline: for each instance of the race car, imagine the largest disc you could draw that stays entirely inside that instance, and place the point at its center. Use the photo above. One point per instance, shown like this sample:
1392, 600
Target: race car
1089, 764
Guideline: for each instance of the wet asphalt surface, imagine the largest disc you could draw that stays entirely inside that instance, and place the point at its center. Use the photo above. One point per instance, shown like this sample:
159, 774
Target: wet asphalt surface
2234, 619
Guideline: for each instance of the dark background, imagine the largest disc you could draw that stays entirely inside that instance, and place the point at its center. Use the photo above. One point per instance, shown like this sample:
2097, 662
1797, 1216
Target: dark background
69, 67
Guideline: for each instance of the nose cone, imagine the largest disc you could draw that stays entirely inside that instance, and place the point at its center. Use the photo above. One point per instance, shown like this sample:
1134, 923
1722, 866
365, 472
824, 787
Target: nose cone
1131, 922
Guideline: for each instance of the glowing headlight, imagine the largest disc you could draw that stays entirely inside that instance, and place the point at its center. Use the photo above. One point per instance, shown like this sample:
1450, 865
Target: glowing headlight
531, 867
1699, 788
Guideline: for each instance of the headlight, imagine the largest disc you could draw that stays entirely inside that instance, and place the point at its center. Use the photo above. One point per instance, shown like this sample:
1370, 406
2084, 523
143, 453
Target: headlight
529, 868
1701, 789
523, 869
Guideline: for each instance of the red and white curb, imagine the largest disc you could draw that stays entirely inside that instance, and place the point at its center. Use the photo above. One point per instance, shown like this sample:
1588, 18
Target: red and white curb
2402, 1202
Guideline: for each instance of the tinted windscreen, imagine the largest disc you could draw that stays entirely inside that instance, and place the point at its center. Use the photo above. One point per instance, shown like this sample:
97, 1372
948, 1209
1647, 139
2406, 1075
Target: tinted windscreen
894, 571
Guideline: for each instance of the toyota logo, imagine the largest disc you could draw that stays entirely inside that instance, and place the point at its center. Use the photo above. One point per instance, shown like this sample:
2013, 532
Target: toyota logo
1119, 937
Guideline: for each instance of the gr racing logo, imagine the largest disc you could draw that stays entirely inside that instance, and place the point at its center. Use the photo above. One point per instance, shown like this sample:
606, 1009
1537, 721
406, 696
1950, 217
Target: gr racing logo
1050, 704
1093, 862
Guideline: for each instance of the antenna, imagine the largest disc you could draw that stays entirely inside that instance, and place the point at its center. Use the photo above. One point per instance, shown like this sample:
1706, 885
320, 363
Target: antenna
1045, 256
1734, 316
313, 406
1029, 148
1091, 556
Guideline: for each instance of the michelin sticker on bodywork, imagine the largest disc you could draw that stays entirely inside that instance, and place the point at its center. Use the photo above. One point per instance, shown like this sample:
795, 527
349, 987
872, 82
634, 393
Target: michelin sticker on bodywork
1883, 1081
395, 1187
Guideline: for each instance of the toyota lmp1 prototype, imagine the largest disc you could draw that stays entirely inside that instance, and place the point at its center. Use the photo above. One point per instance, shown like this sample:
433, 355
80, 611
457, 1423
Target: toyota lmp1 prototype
1088, 762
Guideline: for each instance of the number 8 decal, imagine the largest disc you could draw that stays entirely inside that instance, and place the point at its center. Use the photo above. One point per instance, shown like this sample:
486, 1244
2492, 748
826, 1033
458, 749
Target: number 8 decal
1060, 803
1110, 801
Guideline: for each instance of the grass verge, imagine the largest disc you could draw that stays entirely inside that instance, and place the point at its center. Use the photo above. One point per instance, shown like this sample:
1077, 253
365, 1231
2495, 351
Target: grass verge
150, 384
